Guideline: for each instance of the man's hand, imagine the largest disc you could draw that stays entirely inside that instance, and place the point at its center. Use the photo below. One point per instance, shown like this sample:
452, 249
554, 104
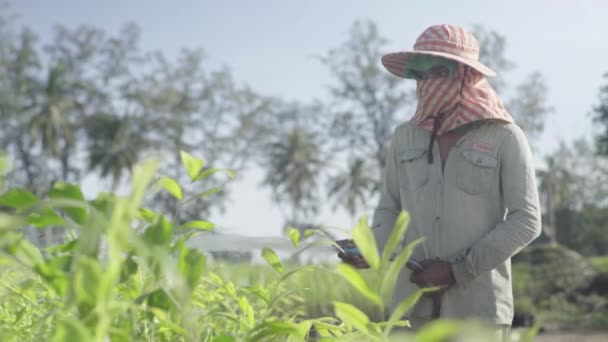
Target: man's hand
436, 273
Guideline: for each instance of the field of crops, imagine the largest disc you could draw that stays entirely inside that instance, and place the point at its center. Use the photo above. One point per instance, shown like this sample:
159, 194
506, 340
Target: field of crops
127, 274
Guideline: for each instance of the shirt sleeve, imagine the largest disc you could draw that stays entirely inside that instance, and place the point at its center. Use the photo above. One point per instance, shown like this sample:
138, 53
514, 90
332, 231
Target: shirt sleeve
523, 221
389, 205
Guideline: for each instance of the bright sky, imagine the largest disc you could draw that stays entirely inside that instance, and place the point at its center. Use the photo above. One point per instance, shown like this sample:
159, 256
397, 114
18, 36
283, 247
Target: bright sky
269, 45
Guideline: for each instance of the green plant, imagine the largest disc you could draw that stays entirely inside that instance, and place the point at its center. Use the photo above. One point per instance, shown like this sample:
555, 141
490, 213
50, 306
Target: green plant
126, 273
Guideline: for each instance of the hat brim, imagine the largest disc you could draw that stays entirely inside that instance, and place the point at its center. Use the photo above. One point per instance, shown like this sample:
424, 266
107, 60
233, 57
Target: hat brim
396, 62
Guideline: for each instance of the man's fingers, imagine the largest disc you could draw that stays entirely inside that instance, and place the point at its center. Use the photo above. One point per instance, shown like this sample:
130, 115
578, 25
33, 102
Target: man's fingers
419, 279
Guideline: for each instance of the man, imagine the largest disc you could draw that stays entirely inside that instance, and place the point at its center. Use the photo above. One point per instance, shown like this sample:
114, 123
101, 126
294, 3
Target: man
464, 172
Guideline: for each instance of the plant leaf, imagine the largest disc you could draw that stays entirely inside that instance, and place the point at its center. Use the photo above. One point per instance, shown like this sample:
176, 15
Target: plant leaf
272, 329
63, 190
71, 330
191, 264
208, 192
273, 260
396, 235
171, 186
192, 165
87, 279
231, 173
294, 236
352, 316
159, 233
389, 279
197, 224
366, 242
44, 218
147, 214
247, 309
351, 275
308, 233
18, 199
438, 331
403, 308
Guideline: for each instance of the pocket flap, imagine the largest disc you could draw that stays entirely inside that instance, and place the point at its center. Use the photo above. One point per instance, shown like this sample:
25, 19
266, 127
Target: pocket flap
412, 154
482, 159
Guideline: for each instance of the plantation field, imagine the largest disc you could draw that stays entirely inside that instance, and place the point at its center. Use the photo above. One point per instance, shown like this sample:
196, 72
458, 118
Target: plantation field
127, 273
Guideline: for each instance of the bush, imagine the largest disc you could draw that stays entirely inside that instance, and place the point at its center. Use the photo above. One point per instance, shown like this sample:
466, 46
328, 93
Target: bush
126, 273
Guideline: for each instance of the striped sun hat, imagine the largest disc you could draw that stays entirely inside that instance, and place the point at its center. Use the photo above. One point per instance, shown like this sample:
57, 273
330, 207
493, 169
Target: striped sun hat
448, 41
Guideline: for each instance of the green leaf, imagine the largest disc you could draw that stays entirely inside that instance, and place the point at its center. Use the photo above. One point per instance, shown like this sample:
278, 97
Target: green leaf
87, 279
159, 233
271, 257
294, 236
159, 299
63, 190
438, 331
192, 165
25, 252
303, 330
530, 334
104, 203
71, 331
261, 293
129, 268
223, 338
191, 264
44, 218
147, 214
143, 173
231, 289
169, 326
247, 309
272, 329
396, 235
352, 316
18, 199
366, 242
231, 173
171, 186
201, 225
208, 192
389, 279
216, 279
308, 233
55, 273
69, 246
351, 275
403, 308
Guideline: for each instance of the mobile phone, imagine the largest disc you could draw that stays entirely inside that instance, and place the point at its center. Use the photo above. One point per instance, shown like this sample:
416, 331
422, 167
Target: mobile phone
348, 247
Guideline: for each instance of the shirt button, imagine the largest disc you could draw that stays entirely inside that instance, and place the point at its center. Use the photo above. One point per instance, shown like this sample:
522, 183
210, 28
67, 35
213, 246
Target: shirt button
437, 218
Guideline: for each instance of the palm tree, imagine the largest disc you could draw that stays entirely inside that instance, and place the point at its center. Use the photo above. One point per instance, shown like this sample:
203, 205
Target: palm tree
555, 186
351, 188
51, 125
294, 162
114, 145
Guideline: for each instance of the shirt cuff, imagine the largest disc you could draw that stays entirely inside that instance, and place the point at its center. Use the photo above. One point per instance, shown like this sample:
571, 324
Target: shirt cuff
463, 271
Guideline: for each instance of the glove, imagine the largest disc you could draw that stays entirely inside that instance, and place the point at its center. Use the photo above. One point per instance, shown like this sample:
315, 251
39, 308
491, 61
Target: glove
436, 273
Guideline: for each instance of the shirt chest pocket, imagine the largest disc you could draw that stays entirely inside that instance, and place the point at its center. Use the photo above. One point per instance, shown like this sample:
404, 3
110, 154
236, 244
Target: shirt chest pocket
477, 172
413, 169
